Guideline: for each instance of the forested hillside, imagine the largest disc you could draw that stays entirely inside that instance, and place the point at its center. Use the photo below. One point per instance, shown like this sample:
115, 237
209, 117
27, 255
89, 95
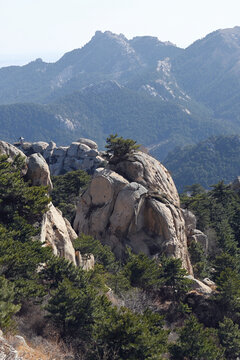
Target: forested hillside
107, 108
210, 161
122, 308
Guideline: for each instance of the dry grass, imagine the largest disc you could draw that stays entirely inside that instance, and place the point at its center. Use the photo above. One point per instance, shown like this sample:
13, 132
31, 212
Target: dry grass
41, 349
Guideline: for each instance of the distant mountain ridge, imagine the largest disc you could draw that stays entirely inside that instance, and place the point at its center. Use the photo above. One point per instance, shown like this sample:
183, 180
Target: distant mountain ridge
107, 56
160, 95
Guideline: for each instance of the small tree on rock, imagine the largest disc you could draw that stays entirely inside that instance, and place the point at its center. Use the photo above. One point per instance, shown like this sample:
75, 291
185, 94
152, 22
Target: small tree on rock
119, 147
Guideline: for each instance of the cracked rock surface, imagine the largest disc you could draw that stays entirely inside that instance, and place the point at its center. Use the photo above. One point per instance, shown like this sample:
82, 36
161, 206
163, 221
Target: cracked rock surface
134, 203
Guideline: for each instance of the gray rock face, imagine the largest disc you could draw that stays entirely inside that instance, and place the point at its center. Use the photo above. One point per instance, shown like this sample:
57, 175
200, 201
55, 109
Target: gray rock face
199, 286
7, 352
38, 171
57, 233
147, 171
190, 221
194, 234
88, 142
199, 237
39, 146
80, 155
86, 262
10, 150
135, 205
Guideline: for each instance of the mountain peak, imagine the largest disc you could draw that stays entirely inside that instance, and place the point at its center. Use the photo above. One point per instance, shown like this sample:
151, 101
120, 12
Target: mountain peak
150, 40
108, 34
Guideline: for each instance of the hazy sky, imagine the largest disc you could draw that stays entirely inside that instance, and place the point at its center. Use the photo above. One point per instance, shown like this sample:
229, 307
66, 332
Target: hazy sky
49, 28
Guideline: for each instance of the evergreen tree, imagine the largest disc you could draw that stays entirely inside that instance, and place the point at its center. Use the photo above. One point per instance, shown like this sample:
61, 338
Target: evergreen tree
129, 336
7, 306
86, 244
228, 295
229, 335
196, 343
71, 308
66, 190
119, 147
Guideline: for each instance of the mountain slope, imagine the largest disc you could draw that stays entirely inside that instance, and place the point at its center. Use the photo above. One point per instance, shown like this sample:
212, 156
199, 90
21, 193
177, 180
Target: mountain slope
209, 69
106, 57
99, 110
206, 163
158, 94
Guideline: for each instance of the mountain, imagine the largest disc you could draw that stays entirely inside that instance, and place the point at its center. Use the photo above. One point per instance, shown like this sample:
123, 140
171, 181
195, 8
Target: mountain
154, 92
209, 70
106, 57
99, 110
33, 122
206, 163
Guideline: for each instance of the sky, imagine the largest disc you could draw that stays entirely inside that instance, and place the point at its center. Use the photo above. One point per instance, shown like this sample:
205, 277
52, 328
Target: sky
47, 29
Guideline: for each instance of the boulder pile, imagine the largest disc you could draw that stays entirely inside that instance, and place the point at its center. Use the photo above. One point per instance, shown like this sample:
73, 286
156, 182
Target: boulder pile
82, 154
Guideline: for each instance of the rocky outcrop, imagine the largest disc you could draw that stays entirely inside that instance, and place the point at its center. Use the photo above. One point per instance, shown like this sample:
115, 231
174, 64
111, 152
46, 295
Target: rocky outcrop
31, 148
38, 171
147, 171
134, 203
190, 221
7, 352
194, 234
86, 262
200, 286
82, 154
10, 150
57, 233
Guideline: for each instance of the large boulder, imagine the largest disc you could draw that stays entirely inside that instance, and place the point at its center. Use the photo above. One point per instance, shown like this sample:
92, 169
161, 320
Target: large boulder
57, 233
39, 146
200, 286
38, 171
88, 142
134, 203
10, 150
149, 172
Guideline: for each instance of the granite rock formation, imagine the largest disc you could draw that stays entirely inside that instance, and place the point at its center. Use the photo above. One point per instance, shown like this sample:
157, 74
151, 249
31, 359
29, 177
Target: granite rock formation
193, 234
10, 150
57, 233
134, 202
38, 171
82, 154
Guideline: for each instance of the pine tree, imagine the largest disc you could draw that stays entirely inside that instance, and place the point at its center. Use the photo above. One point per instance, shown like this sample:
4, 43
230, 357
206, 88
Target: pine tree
119, 147
229, 335
196, 343
7, 306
